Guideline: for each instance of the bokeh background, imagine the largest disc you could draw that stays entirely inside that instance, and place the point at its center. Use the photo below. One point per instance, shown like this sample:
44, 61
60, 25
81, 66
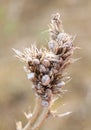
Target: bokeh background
23, 22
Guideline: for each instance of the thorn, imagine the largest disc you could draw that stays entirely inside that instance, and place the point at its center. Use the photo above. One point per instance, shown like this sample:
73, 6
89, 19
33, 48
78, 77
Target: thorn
64, 114
77, 47
74, 60
61, 96
64, 91
73, 37
60, 115
44, 31
55, 99
16, 51
68, 80
29, 114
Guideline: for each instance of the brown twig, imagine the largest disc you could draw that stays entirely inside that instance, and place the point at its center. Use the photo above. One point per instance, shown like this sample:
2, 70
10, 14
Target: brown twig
41, 118
35, 114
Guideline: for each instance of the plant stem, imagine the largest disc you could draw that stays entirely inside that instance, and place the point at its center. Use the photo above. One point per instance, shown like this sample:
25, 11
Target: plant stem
41, 119
35, 114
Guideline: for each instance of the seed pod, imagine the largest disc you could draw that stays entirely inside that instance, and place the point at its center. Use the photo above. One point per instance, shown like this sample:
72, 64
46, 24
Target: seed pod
46, 63
61, 84
39, 86
44, 103
42, 68
62, 37
53, 46
36, 62
68, 44
45, 80
54, 70
39, 92
31, 76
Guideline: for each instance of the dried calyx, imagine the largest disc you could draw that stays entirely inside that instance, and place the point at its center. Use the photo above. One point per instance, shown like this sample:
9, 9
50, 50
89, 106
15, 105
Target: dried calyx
45, 67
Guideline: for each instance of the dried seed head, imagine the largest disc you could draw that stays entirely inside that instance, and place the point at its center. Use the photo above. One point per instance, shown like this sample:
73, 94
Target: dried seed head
45, 67
45, 80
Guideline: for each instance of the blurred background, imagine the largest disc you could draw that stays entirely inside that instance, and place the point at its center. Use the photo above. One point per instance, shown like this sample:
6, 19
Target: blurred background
23, 22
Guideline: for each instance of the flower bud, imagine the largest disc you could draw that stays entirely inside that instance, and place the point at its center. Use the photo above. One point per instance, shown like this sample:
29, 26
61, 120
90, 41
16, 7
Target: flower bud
62, 37
31, 76
61, 84
53, 46
54, 70
42, 68
45, 80
45, 103
39, 86
46, 63
56, 66
36, 62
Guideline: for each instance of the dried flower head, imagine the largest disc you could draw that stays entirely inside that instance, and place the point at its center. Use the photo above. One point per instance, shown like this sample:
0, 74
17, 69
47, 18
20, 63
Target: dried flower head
45, 67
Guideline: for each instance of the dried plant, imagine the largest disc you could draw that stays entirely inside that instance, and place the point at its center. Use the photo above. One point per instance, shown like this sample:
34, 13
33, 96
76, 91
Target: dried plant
45, 68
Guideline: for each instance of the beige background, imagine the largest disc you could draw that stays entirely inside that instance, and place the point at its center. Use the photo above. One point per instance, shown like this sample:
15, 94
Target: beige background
23, 22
